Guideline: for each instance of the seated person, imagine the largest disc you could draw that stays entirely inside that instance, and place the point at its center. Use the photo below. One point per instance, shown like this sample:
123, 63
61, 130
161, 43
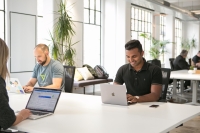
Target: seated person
143, 80
181, 64
7, 115
196, 60
47, 72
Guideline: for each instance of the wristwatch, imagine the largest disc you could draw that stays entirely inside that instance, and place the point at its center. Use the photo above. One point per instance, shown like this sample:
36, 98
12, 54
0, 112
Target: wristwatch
137, 97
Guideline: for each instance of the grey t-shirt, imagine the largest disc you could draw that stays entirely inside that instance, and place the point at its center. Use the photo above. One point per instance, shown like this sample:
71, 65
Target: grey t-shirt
45, 74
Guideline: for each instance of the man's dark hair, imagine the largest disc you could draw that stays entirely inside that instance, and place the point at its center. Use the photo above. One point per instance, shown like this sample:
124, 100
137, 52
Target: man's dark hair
133, 44
184, 53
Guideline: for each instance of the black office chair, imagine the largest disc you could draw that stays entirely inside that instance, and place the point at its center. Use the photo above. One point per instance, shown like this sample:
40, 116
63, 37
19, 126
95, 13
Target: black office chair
165, 81
69, 78
171, 60
155, 62
190, 61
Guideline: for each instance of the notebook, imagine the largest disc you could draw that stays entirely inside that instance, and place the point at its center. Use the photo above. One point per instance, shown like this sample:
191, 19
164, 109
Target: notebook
42, 102
113, 94
14, 86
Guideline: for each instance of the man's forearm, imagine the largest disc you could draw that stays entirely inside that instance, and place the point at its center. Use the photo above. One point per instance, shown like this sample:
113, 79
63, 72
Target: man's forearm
52, 86
29, 84
152, 97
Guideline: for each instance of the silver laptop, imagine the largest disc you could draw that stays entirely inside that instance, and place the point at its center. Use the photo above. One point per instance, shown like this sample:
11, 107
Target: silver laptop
113, 94
43, 102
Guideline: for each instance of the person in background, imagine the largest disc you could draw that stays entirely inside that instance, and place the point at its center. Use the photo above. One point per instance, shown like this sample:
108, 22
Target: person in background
143, 80
47, 72
196, 60
7, 115
181, 64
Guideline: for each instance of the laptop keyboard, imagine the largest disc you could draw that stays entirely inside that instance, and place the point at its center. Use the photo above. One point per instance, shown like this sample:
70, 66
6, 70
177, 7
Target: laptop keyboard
38, 113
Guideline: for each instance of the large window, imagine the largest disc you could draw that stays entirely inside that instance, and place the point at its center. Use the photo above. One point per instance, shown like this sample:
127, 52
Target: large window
141, 22
92, 32
2, 18
162, 32
178, 36
162, 27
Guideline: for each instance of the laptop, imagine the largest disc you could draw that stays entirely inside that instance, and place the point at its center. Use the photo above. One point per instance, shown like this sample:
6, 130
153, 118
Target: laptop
114, 94
14, 86
42, 102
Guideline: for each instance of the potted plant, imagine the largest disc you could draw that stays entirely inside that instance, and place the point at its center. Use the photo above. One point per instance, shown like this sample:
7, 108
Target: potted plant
188, 45
157, 47
62, 46
191, 70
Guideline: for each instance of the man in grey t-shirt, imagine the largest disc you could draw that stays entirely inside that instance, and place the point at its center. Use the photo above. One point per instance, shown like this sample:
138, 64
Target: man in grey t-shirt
47, 72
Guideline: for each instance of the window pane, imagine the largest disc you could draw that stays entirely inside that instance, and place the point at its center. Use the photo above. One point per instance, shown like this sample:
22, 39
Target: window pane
139, 14
149, 17
86, 15
91, 16
98, 22
2, 25
136, 13
98, 5
143, 16
143, 26
136, 25
149, 27
134, 35
92, 4
86, 3
1, 5
139, 26
132, 13
146, 16
132, 24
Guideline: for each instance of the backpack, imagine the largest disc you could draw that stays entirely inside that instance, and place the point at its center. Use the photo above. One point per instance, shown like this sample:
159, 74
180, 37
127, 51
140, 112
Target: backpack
101, 72
92, 71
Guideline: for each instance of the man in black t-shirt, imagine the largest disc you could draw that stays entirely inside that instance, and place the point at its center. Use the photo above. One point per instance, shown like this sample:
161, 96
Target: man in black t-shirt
143, 80
196, 60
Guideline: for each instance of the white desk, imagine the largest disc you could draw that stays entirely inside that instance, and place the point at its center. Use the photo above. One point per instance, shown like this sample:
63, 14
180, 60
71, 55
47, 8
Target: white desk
78, 113
184, 75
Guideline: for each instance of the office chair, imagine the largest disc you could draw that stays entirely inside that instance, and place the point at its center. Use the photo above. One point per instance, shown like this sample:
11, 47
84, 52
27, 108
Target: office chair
165, 81
171, 60
69, 78
155, 62
190, 61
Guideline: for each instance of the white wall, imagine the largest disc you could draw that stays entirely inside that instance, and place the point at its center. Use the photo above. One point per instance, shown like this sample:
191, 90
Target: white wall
114, 35
169, 36
26, 7
191, 30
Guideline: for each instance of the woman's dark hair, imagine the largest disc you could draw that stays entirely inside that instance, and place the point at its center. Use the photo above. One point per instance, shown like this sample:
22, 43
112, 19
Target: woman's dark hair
133, 44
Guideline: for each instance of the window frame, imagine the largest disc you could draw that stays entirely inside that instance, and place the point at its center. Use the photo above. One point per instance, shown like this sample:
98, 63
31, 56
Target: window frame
147, 22
177, 34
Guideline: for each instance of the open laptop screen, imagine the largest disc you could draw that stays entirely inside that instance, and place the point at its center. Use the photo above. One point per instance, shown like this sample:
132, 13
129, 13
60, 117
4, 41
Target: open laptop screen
43, 99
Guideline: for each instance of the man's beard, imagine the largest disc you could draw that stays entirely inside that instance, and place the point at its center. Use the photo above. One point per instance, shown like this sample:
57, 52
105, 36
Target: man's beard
42, 63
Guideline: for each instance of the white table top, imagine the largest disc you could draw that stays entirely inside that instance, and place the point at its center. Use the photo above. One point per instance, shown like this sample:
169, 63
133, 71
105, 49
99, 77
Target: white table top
77, 113
183, 74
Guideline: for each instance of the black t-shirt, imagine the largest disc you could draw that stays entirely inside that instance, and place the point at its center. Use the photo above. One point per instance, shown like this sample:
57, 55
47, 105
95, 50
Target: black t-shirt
196, 59
139, 83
